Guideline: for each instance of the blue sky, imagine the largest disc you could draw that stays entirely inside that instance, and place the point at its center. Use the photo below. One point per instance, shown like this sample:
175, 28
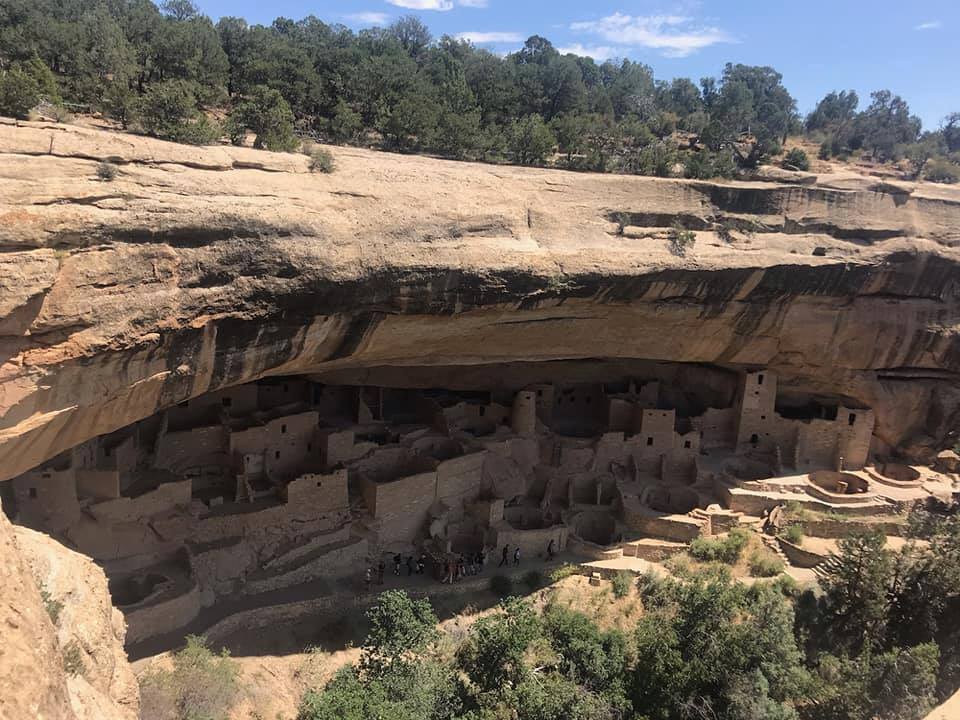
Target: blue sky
911, 48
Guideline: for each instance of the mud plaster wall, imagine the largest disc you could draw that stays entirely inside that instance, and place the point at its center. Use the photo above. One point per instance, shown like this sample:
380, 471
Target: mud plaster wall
532, 543
718, 428
47, 499
156, 502
401, 507
656, 431
290, 444
460, 478
312, 495
98, 484
178, 451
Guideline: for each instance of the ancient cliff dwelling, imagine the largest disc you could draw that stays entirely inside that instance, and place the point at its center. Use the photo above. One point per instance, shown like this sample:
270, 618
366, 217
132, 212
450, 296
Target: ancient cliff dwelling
240, 388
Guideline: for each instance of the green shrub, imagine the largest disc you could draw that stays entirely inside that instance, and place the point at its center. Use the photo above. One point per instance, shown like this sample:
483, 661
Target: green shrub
942, 171
201, 685
825, 150
106, 171
681, 240
501, 585
19, 93
321, 161
533, 579
794, 534
168, 110
564, 571
268, 116
73, 659
53, 607
725, 550
765, 564
797, 159
621, 583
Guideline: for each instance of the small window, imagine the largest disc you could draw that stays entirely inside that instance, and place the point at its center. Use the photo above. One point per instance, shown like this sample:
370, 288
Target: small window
763, 417
319, 484
185, 403
649, 441
686, 444
283, 429
227, 402
754, 439
588, 400
851, 419
483, 411
759, 379
33, 493
276, 455
286, 388
309, 447
539, 393
106, 452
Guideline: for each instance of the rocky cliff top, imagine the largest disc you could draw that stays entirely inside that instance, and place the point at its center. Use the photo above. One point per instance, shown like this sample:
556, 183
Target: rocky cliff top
198, 268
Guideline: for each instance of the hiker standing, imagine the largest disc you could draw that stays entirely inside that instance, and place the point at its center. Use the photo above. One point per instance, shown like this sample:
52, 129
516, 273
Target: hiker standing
368, 578
506, 554
397, 559
481, 561
381, 569
409, 565
516, 556
550, 550
421, 563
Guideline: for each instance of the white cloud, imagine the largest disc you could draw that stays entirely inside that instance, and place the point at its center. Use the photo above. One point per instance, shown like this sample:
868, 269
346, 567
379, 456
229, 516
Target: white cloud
473, 3
930, 25
484, 38
441, 5
674, 35
597, 52
369, 18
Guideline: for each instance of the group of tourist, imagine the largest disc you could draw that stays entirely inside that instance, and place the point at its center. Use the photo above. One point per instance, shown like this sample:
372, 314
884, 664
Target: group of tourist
454, 568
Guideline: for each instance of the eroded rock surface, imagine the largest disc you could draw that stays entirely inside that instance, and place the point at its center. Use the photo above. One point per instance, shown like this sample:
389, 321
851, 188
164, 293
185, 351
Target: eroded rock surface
34, 682
201, 268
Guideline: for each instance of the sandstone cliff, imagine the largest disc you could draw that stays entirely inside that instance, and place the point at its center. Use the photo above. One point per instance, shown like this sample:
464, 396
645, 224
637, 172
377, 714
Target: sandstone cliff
65, 663
199, 268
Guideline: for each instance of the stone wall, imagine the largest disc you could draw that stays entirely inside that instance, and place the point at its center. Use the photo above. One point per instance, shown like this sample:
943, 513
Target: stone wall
178, 451
156, 502
163, 616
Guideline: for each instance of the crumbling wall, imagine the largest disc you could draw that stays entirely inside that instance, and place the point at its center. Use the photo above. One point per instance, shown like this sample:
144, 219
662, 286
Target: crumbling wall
178, 451
460, 478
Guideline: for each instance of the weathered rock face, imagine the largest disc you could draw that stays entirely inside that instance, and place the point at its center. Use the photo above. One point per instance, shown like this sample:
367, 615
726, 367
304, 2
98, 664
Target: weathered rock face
35, 652
202, 268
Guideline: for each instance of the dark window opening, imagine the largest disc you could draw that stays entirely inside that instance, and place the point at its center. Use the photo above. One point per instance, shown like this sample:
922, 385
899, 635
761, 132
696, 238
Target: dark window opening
283, 429
852, 419
185, 403
649, 441
763, 417
483, 411
33, 493
759, 379
106, 452
588, 400
319, 484
227, 402
309, 447
686, 444
286, 388
276, 455
539, 393
754, 439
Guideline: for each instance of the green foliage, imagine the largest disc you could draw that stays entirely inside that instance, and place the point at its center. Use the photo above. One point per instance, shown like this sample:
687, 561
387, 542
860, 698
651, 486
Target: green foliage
797, 159
726, 549
556, 698
681, 240
268, 116
168, 110
532, 579
856, 593
622, 582
493, 654
794, 533
321, 161
705, 644
764, 564
501, 585
886, 125
346, 125
73, 658
53, 607
564, 571
19, 93
942, 171
200, 686
106, 171
530, 140
400, 627
898, 685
